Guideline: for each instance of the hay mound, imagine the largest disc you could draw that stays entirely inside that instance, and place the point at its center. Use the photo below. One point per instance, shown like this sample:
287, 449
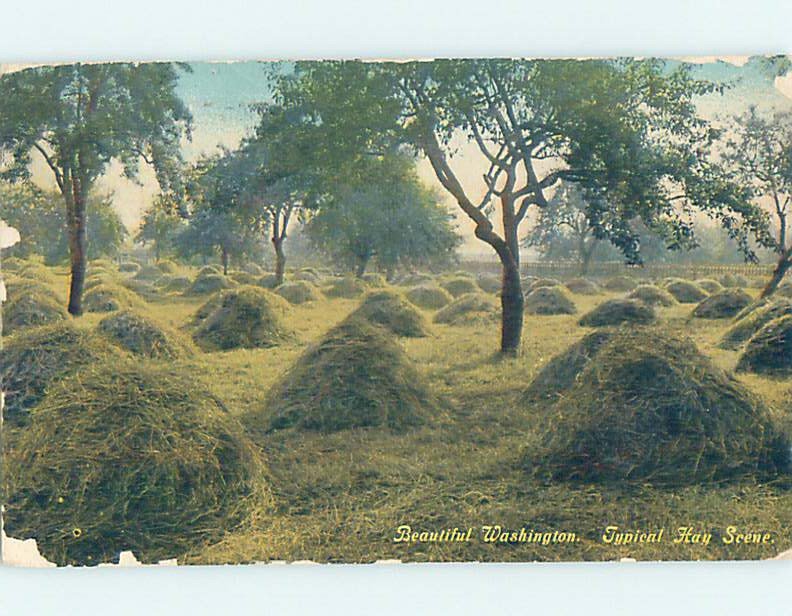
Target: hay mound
129, 267
347, 287
460, 285
467, 309
243, 278
35, 358
149, 273
107, 297
374, 280
356, 377
416, 279
142, 336
175, 284
769, 351
253, 268
582, 286
785, 290
167, 267
649, 407
733, 280
268, 281
248, 318
208, 270
30, 310
620, 284
131, 458
543, 282
549, 301
13, 264
723, 305
37, 272
298, 292
686, 292
752, 321
489, 283
617, 311
709, 285
307, 275
652, 295
429, 296
390, 311
209, 283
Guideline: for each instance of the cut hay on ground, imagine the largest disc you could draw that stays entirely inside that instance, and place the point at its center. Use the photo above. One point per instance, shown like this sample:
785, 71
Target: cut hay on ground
723, 305
389, 310
769, 351
129, 267
167, 267
709, 285
31, 310
374, 280
429, 296
549, 301
460, 286
652, 296
140, 335
489, 283
268, 281
307, 275
734, 280
543, 282
618, 311
686, 292
107, 297
649, 407
35, 358
415, 279
129, 457
175, 284
468, 309
752, 321
148, 273
248, 318
582, 286
208, 270
348, 288
620, 284
299, 292
243, 277
253, 268
356, 377
785, 290
209, 283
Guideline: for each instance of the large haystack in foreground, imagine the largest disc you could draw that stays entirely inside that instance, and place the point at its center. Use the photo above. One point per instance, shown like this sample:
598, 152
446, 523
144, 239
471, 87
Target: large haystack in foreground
35, 358
649, 407
356, 377
769, 351
130, 458
247, 317
390, 311
31, 309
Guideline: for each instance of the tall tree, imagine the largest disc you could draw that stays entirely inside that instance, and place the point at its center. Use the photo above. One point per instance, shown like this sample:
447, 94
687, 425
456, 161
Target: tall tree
760, 149
383, 213
160, 226
625, 131
78, 118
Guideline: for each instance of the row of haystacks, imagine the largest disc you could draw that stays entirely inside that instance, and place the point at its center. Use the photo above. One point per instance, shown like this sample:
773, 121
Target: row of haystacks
640, 404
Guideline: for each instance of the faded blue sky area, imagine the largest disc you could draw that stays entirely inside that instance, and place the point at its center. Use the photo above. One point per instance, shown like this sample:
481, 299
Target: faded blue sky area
220, 96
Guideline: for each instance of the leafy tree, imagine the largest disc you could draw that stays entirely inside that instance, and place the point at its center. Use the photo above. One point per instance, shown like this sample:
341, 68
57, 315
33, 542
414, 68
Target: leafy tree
383, 213
40, 218
161, 225
78, 118
760, 150
625, 131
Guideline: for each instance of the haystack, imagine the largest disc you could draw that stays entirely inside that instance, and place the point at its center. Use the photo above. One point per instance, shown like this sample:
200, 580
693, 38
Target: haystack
129, 267
618, 311
141, 335
686, 292
620, 284
347, 287
298, 292
149, 273
723, 305
489, 283
35, 358
307, 275
374, 280
549, 301
209, 283
208, 270
248, 317
253, 268
268, 281
769, 351
130, 457
429, 296
543, 282
390, 311
243, 278
752, 321
13, 264
733, 280
31, 309
460, 285
108, 297
649, 407
167, 266
652, 295
175, 284
356, 377
709, 285
785, 290
467, 309
582, 286
416, 279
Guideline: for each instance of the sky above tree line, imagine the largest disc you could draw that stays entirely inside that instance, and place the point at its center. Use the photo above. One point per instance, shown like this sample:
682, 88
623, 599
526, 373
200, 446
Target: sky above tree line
220, 95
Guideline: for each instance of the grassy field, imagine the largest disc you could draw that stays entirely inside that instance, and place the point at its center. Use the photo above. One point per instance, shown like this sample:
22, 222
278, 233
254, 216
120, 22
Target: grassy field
341, 497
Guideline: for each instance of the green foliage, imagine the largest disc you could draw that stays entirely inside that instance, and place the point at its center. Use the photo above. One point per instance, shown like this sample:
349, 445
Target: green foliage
161, 226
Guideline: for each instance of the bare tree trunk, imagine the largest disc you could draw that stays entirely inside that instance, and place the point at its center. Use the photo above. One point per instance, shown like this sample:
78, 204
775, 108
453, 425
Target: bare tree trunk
78, 251
512, 305
280, 260
784, 263
225, 262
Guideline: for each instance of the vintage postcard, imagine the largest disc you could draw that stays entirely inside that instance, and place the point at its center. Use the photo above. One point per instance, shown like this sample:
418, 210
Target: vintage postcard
447, 310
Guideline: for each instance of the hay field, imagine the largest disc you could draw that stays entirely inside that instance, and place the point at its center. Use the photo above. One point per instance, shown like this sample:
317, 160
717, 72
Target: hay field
340, 496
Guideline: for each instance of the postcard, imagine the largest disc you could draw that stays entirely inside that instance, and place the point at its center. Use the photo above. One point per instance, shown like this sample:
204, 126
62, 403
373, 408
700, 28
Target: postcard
451, 310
